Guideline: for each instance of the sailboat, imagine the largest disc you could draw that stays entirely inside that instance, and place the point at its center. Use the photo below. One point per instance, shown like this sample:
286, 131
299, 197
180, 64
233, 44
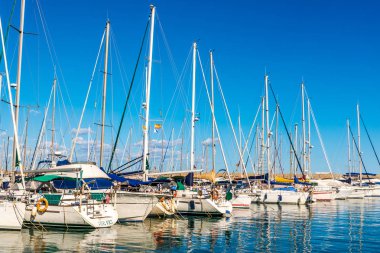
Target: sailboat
13, 207
277, 195
199, 201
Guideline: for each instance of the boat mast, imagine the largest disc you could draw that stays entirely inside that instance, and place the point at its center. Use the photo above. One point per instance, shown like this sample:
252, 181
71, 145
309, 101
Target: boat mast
309, 138
105, 73
18, 80
16, 142
303, 130
360, 152
147, 101
349, 147
296, 147
193, 108
213, 109
53, 123
262, 135
268, 129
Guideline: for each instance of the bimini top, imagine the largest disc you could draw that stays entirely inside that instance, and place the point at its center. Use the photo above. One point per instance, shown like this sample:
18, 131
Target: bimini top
50, 177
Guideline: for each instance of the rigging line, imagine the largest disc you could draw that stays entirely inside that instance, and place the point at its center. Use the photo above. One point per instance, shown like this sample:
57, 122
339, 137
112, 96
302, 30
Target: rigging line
9, 25
248, 155
230, 120
128, 96
249, 151
68, 128
216, 124
166, 151
41, 132
321, 141
287, 132
53, 52
86, 99
370, 140
319, 134
179, 85
360, 155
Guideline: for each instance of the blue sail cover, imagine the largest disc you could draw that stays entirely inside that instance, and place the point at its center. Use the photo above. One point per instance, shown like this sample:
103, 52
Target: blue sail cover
131, 182
94, 184
297, 181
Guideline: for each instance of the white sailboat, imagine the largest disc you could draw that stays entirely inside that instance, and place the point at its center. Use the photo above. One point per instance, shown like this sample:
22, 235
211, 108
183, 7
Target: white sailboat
12, 208
191, 202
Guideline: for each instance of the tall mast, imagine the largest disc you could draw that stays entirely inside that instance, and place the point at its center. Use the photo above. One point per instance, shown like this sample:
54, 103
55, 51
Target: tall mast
360, 152
349, 147
268, 129
53, 123
193, 109
276, 146
18, 80
213, 109
26, 137
309, 138
262, 134
295, 147
15, 141
303, 130
105, 73
149, 78
240, 147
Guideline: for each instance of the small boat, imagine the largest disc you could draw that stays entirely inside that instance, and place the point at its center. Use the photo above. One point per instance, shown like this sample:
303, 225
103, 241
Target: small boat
197, 203
283, 195
71, 211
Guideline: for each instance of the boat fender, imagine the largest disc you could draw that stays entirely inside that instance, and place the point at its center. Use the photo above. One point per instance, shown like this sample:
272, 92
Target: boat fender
265, 196
42, 209
165, 205
162, 199
108, 199
174, 194
279, 198
174, 206
34, 213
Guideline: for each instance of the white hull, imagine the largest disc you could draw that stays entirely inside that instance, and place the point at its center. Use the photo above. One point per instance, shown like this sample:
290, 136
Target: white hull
75, 217
357, 193
323, 195
134, 206
373, 191
344, 192
190, 203
241, 201
11, 215
282, 197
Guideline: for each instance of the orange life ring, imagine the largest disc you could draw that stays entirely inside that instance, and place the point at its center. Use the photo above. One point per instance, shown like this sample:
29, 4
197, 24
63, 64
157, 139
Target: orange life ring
45, 206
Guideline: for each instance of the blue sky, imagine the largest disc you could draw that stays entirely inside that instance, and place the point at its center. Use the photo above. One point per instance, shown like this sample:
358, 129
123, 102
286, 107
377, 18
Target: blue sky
332, 45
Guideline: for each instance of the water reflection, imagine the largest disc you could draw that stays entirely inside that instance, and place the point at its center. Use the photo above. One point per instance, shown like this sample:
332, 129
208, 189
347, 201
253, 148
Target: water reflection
348, 226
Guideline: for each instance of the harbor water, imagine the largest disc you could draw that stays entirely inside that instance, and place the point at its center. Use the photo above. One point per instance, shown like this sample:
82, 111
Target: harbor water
342, 226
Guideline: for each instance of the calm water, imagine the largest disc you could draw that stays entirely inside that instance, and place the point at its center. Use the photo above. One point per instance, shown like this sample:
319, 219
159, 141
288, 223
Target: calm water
345, 226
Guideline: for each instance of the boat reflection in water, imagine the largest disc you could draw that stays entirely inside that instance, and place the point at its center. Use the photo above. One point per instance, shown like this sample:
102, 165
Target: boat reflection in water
348, 226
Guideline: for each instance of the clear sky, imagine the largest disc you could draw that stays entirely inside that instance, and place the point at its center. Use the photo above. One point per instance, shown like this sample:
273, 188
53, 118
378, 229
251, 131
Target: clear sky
332, 45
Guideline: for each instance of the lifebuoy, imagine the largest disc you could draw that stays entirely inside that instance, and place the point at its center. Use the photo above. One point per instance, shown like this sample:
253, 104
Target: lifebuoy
45, 206
174, 194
